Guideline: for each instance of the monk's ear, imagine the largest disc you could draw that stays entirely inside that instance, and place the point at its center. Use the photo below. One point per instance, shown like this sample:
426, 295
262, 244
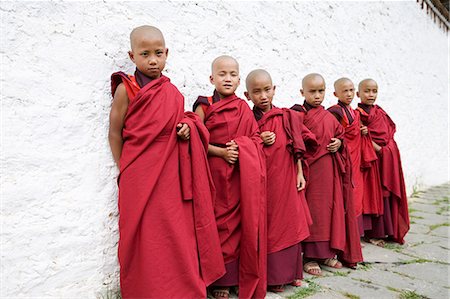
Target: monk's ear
131, 55
274, 87
335, 94
211, 79
167, 52
247, 95
357, 94
301, 92
239, 81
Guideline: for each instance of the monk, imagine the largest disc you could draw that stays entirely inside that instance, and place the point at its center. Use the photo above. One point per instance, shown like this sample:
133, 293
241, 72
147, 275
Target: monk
288, 216
325, 189
168, 245
394, 224
238, 169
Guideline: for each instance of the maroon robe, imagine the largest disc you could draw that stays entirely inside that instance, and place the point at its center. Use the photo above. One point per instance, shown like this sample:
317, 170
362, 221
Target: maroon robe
382, 130
324, 191
240, 206
288, 216
168, 242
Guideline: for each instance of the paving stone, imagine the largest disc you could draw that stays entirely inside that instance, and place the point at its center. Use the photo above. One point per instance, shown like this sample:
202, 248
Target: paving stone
419, 228
361, 289
426, 208
327, 293
442, 231
400, 281
429, 251
427, 219
374, 254
437, 274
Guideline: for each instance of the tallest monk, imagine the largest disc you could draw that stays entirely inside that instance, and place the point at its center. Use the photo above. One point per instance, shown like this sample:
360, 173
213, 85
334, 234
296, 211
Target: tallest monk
238, 169
168, 244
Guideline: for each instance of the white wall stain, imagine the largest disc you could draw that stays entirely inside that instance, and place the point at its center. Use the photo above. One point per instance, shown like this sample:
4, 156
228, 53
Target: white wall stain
59, 195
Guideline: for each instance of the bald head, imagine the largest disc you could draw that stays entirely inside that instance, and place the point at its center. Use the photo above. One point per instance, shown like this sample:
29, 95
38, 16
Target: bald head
312, 77
339, 82
145, 32
224, 59
258, 74
365, 82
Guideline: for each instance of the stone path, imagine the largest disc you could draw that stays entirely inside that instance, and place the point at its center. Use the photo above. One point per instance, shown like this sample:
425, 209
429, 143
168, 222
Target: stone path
418, 269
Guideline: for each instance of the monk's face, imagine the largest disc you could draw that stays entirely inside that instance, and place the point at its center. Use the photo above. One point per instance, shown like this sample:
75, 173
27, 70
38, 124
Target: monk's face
345, 92
314, 91
225, 77
260, 92
368, 92
149, 54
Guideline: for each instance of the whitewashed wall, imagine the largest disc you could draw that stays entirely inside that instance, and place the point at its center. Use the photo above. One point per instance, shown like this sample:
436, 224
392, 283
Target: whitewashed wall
59, 215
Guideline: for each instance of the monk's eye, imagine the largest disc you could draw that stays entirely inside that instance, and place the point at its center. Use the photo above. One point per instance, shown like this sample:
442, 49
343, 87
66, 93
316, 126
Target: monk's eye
145, 54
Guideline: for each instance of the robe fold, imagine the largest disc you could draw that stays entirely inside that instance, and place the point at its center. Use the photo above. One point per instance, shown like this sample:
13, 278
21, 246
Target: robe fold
165, 200
382, 130
240, 206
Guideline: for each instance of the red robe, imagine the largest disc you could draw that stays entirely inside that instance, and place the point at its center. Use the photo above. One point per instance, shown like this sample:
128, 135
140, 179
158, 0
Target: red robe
382, 130
329, 191
240, 206
288, 216
169, 245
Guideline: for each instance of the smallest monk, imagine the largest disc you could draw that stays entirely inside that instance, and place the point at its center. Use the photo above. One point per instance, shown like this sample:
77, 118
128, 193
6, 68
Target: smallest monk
288, 216
394, 223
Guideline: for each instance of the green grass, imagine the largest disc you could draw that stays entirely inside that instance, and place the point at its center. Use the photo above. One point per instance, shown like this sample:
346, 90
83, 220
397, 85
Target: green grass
406, 294
415, 192
415, 261
110, 294
443, 209
412, 210
362, 280
434, 226
415, 217
305, 292
393, 289
364, 266
351, 296
341, 273
393, 246
443, 200
403, 274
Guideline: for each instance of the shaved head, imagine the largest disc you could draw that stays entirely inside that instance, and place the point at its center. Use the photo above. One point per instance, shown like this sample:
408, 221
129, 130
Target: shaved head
145, 31
366, 81
223, 59
311, 77
258, 73
341, 81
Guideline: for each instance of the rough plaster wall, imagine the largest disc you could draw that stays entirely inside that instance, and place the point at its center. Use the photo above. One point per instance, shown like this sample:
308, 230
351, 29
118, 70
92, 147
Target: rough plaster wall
59, 215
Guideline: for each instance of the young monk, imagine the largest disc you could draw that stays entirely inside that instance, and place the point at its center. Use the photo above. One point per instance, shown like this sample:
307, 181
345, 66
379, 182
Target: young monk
238, 169
169, 245
395, 220
324, 192
288, 216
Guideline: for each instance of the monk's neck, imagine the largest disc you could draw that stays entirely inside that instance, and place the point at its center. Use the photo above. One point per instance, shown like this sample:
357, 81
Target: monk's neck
309, 107
141, 78
344, 105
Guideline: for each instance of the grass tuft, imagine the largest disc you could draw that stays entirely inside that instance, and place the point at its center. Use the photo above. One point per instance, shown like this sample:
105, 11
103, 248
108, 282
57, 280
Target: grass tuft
311, 289
351, 296
110, 294
434, 226
406, 294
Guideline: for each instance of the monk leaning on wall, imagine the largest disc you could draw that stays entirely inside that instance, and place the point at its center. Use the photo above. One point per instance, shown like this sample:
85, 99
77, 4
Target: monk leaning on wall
169, 246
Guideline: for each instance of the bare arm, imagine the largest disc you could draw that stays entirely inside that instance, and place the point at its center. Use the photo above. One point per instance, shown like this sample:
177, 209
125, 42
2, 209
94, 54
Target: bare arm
116, 121
376, 146
301, 183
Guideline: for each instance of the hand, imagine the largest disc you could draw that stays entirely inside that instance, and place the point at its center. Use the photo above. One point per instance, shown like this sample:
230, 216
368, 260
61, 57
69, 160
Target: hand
268, 137
301, 183
183, 131
334, 145
364, 130
231, 153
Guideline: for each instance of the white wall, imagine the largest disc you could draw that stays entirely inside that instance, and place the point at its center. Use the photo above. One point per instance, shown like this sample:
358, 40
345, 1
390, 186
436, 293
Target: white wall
59, 215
